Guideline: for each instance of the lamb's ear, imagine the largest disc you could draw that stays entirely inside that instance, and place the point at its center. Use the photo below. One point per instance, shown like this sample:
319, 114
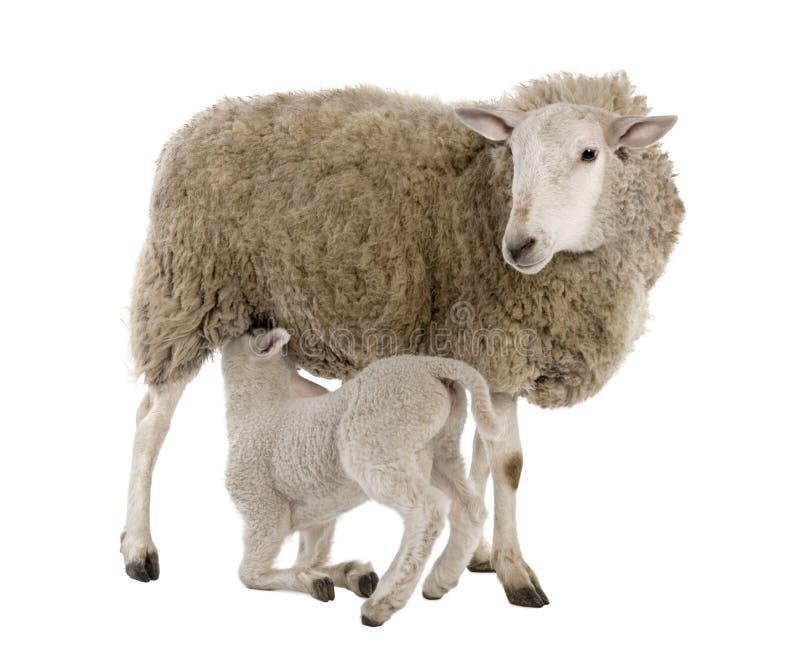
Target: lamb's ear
639, 131
268, 343
494, 124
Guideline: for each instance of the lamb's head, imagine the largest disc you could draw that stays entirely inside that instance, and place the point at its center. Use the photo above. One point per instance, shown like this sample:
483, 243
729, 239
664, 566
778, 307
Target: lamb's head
258, 356
561, 154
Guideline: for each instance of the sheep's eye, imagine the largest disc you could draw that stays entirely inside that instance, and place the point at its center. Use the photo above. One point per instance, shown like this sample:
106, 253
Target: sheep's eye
589, 155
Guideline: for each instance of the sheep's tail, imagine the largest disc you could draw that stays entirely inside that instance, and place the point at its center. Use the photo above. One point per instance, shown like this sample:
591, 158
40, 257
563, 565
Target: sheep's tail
489, 425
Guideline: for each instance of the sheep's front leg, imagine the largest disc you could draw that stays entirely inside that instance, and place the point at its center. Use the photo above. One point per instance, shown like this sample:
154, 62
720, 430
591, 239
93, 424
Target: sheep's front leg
505, 461
314, 551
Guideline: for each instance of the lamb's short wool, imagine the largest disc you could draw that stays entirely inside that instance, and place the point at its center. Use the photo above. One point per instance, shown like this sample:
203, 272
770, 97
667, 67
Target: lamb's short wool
371, 223
390, 434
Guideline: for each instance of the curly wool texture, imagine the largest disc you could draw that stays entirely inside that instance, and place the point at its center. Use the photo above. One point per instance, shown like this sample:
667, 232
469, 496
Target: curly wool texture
369, 223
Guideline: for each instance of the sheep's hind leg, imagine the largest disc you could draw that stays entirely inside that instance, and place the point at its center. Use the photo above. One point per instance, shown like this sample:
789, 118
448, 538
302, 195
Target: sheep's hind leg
505, 458
152, 423
423, 508
478, 475
314, 552
467, 513
262, 545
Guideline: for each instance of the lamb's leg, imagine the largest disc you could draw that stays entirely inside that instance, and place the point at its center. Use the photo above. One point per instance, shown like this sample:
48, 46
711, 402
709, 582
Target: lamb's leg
263, 540
467, 514
478, 475
505, 460
314, 552
423, 508
152, 423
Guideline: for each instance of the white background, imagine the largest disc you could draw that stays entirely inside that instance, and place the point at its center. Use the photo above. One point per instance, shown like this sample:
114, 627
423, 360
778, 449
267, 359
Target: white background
661, 515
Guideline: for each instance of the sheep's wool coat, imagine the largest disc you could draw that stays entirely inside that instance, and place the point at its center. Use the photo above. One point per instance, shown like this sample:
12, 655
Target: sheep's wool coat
369, 223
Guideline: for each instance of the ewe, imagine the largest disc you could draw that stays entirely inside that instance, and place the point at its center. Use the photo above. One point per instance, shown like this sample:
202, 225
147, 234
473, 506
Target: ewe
390, 434
372, 224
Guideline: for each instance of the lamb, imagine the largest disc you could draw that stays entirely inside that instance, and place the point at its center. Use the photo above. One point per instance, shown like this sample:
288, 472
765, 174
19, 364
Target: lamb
390, 434
521, 237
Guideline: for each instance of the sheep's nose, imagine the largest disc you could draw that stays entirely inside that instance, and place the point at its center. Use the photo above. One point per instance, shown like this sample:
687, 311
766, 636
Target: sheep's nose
522, 251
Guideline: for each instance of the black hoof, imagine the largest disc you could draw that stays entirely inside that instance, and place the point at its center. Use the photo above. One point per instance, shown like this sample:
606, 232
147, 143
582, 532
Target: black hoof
367, 584
144, 571
431, 597
369, 622
525, 597
323, 589
480, 567
536, 585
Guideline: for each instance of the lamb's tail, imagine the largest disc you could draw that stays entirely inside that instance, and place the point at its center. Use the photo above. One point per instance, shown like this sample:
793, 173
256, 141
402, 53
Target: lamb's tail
489, 425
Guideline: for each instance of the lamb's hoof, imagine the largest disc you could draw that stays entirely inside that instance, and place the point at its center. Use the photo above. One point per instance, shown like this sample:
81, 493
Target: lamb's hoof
480, 567
526, 597
322, 589
376, 611
433, 588
365, 620
367, 584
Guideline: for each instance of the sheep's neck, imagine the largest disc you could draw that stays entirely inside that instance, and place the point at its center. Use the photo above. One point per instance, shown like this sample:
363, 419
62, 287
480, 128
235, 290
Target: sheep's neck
253, 390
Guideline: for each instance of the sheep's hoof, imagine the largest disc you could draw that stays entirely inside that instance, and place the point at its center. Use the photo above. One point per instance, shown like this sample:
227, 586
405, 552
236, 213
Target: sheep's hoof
365, 620
141, 557
536, 585
519, 581
367, 584
322, 589
144, 570
480, 567
428, 596
526, 597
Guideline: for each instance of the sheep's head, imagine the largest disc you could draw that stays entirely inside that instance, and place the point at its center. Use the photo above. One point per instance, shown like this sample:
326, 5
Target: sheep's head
561, 153
257, 350
260, 358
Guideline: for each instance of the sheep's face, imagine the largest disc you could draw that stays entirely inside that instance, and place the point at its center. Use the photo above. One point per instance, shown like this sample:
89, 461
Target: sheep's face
560, 154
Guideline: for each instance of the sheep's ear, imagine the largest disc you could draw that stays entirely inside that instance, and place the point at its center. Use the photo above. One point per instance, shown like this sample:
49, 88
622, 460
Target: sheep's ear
268, 343
495, 124
639, 131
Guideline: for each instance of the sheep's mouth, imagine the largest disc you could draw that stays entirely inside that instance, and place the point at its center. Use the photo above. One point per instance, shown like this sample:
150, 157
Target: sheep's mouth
533, 268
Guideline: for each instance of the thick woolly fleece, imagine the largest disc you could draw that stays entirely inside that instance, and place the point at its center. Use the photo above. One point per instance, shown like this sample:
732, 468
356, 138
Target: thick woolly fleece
391, 434
369, 223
